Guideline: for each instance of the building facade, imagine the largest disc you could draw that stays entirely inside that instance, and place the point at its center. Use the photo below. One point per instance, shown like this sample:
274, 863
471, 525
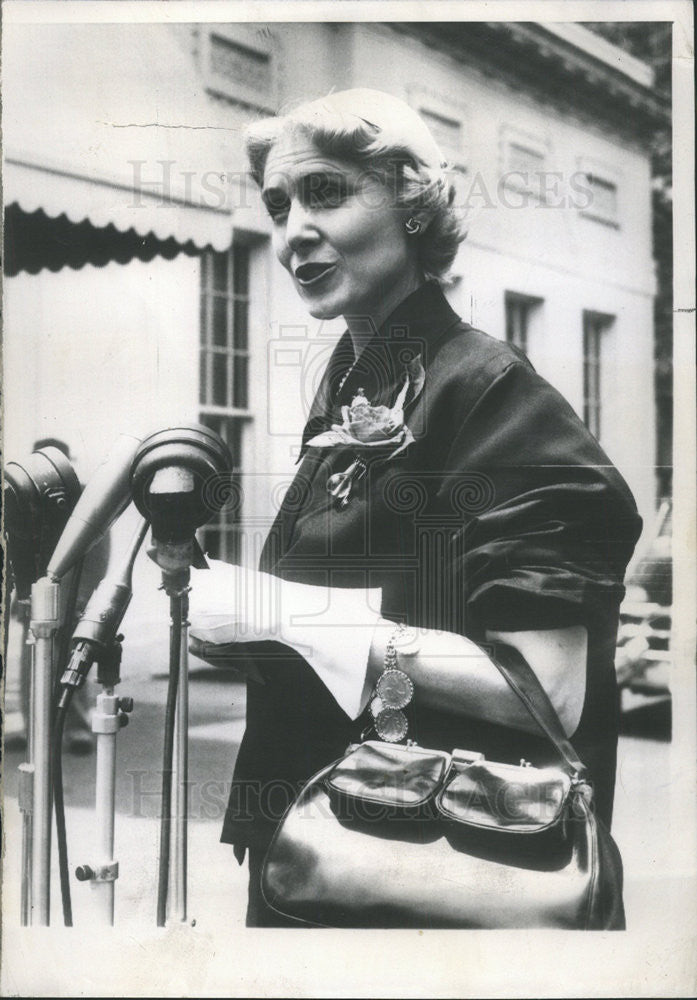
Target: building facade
140, 289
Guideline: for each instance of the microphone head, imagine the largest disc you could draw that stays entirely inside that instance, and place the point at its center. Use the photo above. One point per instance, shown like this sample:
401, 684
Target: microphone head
39, 495
173, 479
105, 497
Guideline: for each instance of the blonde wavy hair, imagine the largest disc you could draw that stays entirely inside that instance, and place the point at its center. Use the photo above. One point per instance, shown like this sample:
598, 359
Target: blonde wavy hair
417, 186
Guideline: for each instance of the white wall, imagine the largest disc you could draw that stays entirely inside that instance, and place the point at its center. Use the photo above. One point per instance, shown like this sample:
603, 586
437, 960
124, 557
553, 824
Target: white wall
93, 353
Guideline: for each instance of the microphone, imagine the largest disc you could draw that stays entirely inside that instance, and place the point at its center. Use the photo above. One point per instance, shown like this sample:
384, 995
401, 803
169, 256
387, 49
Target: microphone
106, 495
39, 496
173, 480
96, 630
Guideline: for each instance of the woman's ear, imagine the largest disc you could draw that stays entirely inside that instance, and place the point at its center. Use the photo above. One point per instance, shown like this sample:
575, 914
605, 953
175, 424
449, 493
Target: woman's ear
417, 222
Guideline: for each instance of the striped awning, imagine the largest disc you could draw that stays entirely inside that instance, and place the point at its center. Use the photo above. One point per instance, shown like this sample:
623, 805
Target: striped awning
109, 126
106, 202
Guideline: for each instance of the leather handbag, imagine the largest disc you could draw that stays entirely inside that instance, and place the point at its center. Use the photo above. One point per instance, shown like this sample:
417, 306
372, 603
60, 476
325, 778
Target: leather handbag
398, 835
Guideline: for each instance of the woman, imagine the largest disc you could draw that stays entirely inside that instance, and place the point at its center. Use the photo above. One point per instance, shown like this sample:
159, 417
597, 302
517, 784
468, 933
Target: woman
443, 484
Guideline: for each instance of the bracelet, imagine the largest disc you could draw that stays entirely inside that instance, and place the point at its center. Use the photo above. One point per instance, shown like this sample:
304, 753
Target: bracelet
394, 690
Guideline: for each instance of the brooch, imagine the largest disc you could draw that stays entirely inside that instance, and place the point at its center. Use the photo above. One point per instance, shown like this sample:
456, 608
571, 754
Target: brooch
370, 432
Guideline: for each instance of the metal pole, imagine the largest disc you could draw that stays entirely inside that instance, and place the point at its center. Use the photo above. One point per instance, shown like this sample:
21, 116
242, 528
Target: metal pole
26, 793
26, 771
180, 776
44, 623
109, 717
106, 724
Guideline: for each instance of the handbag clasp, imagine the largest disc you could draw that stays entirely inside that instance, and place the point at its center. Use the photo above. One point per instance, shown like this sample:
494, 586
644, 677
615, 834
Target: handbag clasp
466, 757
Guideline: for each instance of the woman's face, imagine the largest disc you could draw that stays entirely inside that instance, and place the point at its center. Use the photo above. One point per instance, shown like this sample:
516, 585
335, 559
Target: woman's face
337, 232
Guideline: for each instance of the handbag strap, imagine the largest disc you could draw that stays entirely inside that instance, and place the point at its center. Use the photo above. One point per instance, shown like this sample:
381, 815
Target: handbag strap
521, 678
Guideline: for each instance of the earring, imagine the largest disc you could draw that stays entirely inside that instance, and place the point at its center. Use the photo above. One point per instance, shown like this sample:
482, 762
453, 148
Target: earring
412, 226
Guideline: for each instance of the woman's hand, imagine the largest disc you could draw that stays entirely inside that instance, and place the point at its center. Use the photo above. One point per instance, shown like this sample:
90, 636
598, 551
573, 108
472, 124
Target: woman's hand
331, 627
229, 604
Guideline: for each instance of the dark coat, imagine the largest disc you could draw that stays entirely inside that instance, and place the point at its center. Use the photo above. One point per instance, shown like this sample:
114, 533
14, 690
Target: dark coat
504, 513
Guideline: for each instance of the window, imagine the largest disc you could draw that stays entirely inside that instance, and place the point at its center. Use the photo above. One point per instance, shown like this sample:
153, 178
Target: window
238, 65
523, 160
224, 379
521, 310
595, 326
601, 195
447, 132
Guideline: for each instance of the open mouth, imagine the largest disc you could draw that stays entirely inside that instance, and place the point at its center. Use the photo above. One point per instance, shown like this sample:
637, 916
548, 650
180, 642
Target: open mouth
310, 274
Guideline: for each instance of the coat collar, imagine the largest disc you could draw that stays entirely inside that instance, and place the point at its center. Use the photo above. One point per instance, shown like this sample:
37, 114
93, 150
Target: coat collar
424, 314
410, 330
413, 328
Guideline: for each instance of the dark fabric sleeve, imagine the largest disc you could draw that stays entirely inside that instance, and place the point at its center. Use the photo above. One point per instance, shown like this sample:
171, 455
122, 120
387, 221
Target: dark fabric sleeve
551, 525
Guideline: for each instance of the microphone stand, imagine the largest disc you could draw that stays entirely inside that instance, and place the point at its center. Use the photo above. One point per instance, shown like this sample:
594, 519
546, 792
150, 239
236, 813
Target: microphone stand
97, 629
175, 561
26, 771
36, 798
39, 495
104, 498
180, 771
172, 480
109, 718
35, 791
177, 586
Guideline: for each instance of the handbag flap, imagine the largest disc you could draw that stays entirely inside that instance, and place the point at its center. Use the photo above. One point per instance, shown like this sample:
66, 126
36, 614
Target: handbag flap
389, 774
505, 797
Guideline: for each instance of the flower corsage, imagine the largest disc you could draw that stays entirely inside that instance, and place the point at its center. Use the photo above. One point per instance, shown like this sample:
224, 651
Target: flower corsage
371, 433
